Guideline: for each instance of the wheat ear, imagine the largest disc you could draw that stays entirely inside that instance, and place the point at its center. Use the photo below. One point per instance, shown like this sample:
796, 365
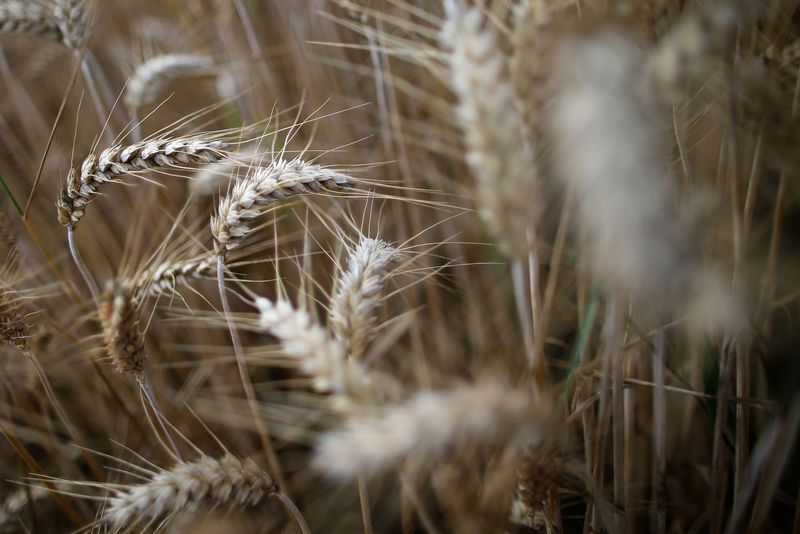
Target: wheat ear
27, 17
263, 186
73, 22
163, 278
151, 77
321, 357
501, 160
189, 485
358, 294
81, 186
429, 424
119, 317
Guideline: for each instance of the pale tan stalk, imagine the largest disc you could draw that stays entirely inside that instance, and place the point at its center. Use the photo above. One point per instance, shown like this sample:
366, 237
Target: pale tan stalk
358, 295
430, 424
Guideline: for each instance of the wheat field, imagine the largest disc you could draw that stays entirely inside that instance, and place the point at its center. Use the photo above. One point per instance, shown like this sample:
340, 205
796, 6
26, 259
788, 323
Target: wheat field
378, 266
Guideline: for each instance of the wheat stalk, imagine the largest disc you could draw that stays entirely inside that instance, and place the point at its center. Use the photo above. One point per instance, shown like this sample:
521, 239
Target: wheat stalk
358, 294
150, 78
429, 424
261, 187
27, 17
81, 186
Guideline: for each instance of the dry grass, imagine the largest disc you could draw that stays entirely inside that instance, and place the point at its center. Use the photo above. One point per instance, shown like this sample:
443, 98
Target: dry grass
411, 266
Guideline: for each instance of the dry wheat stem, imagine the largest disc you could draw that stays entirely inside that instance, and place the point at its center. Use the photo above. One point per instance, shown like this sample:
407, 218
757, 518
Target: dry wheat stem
429, 424
358, 295
82, 185
244, 376
263, 186
151, 77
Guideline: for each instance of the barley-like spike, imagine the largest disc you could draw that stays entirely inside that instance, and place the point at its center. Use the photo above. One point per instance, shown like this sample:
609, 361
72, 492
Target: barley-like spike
321, 357
187, 486
14, 330
81, 186
73, 22
27, 17
263, 186
123, 340
165, 277
429, 424
501, 159
358, 294
150, 78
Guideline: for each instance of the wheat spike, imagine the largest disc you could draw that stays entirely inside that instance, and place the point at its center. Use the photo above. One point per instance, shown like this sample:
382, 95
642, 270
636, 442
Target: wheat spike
321, 357
187, 486
358, 294
14, 330
81, 186
429, 424
27, 17
501, 160
119, 317
163, 278
72, 18
151, 77
246, 200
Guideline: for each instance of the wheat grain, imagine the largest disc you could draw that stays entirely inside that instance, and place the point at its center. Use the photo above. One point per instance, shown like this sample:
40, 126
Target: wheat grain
500, 157
119, 317
429, 424
187, 486
358, 294
246, 200
81, 186
72, 18
151, 77
27, 17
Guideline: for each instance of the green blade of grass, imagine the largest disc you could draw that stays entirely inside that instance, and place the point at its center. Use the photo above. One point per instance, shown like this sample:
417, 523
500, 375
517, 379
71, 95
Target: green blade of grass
11, 196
